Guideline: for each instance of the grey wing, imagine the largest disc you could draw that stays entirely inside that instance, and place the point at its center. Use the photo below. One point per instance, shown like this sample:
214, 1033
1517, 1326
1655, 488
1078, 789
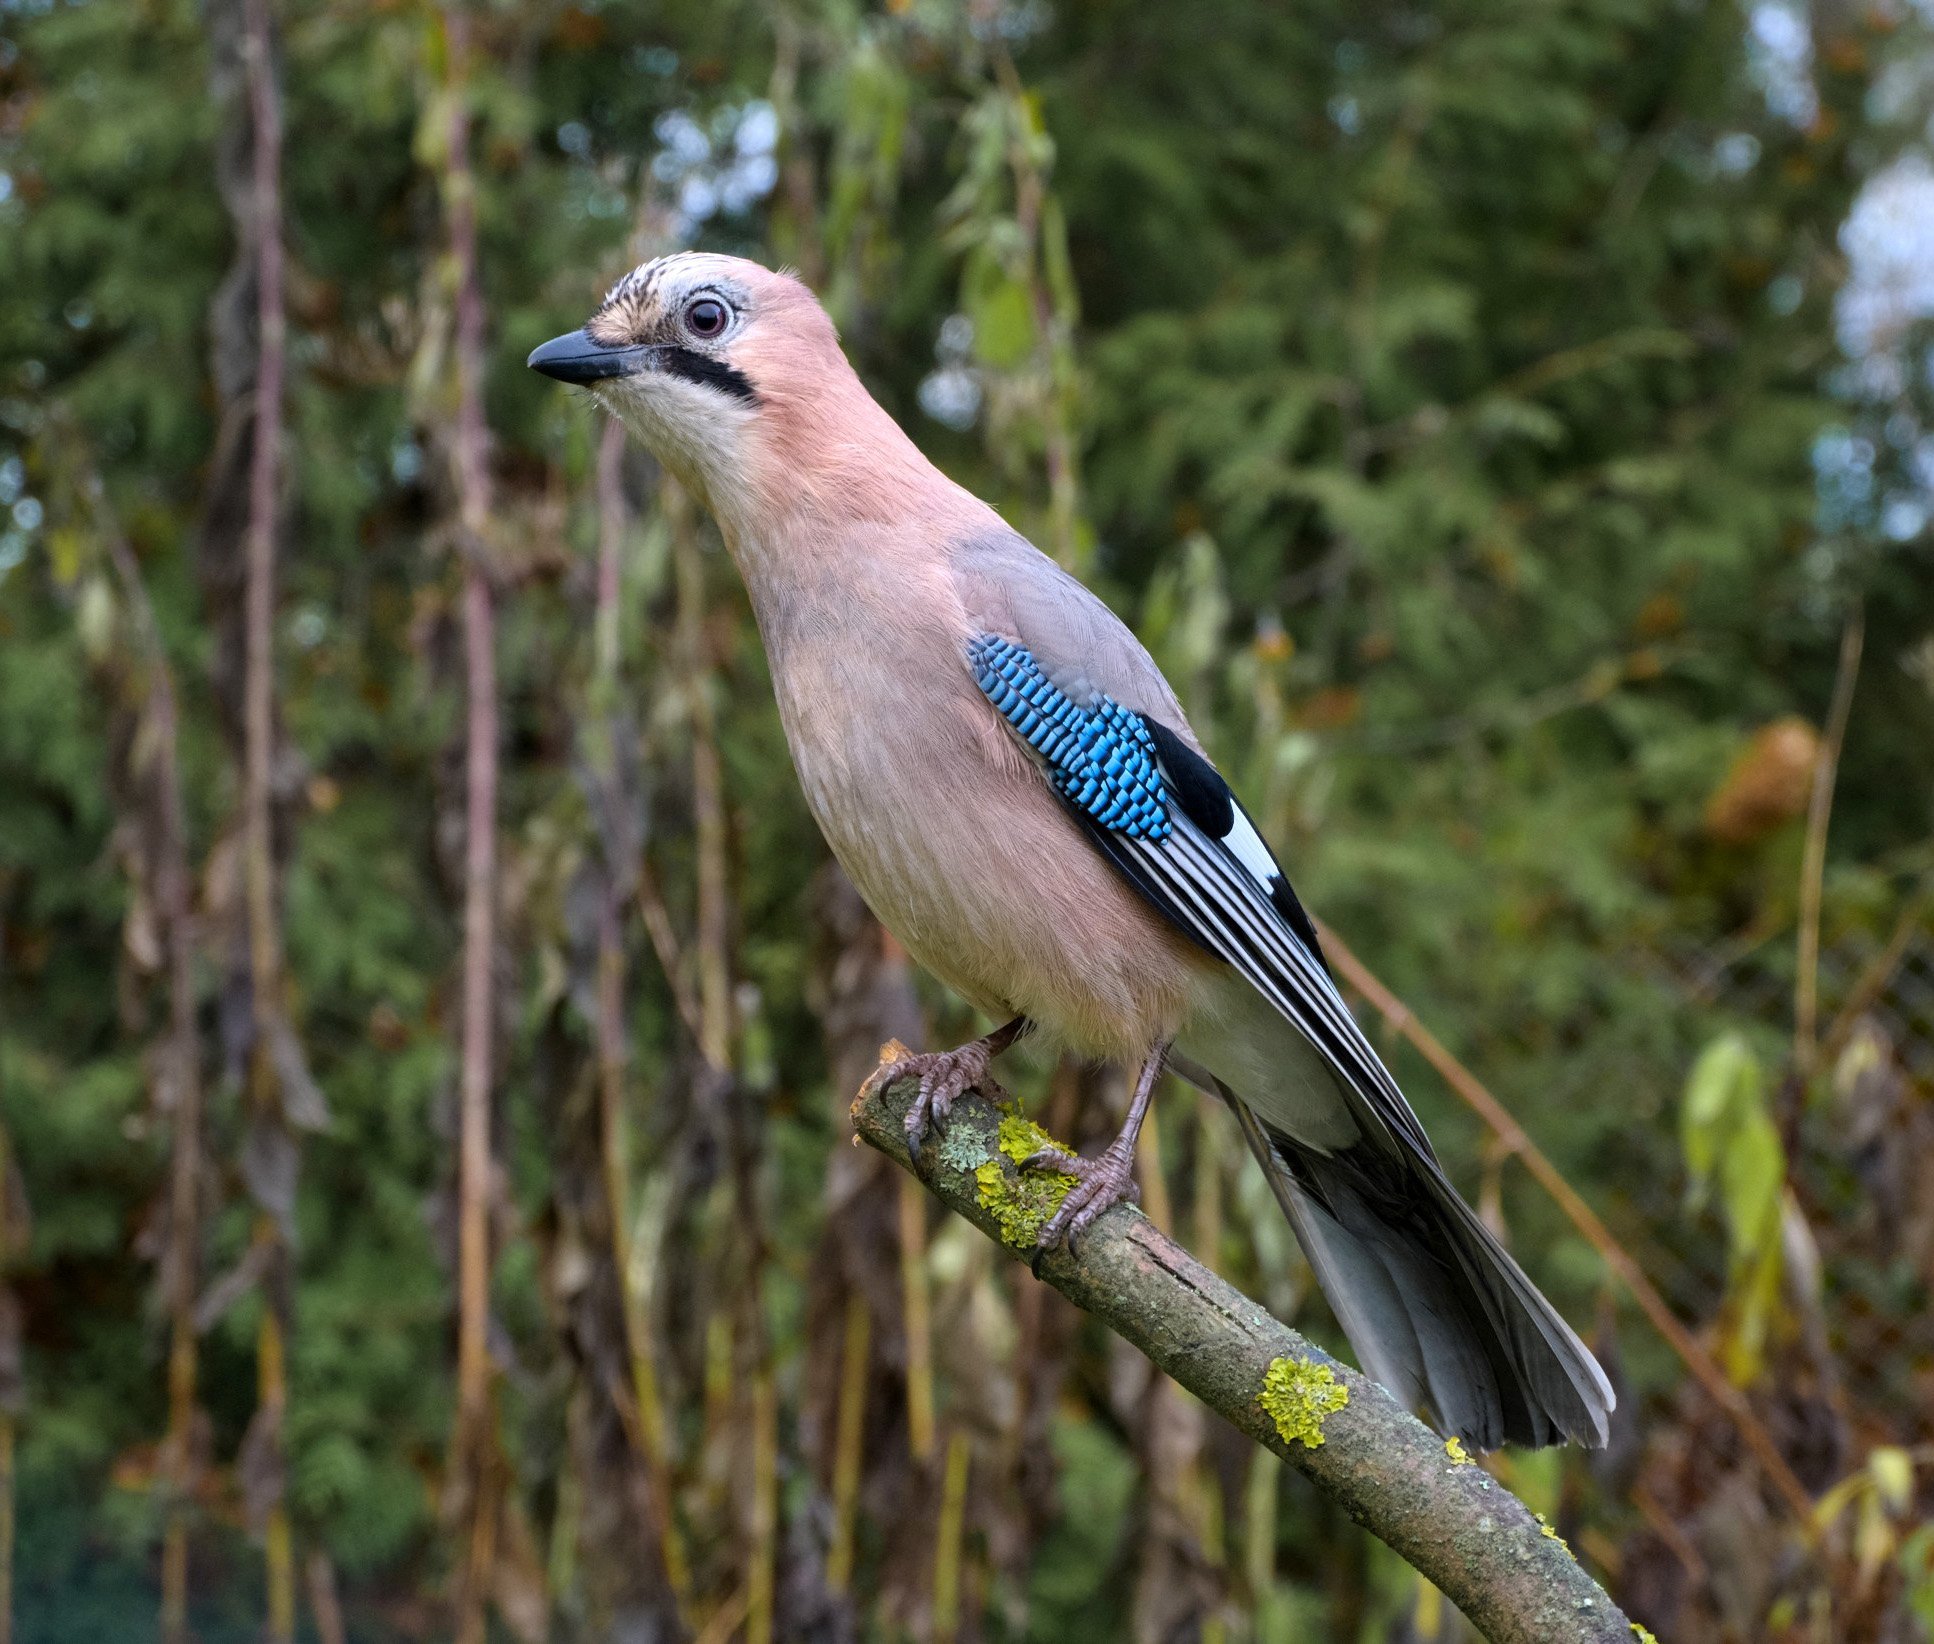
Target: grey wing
1433, 1302
1009, 587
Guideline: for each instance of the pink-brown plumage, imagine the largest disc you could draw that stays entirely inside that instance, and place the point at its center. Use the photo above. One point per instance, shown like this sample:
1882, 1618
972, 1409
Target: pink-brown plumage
876, 581
846, 535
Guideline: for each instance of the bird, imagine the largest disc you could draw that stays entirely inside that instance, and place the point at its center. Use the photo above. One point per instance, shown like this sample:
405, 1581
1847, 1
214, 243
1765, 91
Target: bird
1011, 784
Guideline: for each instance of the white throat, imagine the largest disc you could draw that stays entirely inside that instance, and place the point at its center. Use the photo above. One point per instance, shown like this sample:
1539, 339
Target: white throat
697, 432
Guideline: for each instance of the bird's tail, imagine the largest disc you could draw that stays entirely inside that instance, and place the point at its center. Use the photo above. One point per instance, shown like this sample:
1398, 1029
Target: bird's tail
1433, 1305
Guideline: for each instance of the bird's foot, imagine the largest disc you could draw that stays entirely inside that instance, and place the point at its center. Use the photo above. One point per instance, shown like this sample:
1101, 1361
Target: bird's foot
1099, 1183
945, 1076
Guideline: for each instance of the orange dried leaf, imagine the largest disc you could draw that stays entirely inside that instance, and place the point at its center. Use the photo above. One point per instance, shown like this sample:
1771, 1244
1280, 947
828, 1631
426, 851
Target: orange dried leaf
1768, 783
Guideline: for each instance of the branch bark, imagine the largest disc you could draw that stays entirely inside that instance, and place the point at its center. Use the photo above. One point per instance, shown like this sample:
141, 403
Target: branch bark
1510, 1575
1517, 1142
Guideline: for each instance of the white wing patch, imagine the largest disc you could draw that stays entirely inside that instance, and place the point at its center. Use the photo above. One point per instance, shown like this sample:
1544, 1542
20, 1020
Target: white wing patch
1245, 844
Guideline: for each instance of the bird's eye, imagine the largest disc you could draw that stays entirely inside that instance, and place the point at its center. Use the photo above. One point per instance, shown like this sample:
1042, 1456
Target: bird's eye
706, 317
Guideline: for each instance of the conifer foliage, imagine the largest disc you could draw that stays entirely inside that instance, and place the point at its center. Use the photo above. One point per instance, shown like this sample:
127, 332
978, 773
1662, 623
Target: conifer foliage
427, 1014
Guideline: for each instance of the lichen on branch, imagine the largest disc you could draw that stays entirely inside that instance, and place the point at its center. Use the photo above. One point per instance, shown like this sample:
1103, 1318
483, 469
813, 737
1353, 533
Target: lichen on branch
1021, 1201
1418, 1493
1299, 1394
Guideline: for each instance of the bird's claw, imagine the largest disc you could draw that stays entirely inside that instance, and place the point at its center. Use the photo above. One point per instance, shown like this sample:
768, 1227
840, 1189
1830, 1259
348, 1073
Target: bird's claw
1099, 1184
945, 1076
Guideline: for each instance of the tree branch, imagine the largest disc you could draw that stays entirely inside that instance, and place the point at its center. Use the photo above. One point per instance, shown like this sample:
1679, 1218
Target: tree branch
1509, 1574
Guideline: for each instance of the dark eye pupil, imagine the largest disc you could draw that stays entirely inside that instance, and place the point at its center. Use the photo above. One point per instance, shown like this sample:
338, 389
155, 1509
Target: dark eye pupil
706, 317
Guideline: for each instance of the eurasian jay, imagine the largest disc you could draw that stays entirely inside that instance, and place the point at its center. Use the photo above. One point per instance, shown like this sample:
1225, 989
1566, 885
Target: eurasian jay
1010, 782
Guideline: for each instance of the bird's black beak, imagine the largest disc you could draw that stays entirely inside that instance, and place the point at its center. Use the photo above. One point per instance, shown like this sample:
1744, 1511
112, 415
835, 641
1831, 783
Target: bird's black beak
576, 357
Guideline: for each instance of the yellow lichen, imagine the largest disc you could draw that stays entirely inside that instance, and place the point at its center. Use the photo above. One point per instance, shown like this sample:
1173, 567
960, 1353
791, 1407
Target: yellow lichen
1459, 1456
1022, 1201
1643, 1634
1022, 1138
1545, 1530
1298, 1394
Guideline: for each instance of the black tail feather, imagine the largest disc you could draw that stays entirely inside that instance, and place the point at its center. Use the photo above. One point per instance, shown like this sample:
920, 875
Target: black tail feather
1434, 1306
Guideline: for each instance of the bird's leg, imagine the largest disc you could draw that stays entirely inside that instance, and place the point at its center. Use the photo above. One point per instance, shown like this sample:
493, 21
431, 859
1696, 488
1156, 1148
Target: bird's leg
945, 1075
1103, 1181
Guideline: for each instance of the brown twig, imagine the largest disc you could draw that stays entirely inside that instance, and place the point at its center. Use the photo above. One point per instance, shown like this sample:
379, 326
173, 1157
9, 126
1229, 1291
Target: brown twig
1513, 1138
657, 920
948, 1536
1813, 861
918, 1319
762, 1577
11, 1217
1879, 972
1037, 218
470, 462
258, 735
713, 934
849, 1441
181, 1050
650, 1431
1382, 1466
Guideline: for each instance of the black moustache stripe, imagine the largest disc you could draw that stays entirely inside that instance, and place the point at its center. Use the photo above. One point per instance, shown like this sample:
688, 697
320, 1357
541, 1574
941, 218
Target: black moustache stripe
702, 368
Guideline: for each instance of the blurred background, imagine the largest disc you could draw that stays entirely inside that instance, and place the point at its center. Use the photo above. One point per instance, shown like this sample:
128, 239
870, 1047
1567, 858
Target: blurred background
428, 1015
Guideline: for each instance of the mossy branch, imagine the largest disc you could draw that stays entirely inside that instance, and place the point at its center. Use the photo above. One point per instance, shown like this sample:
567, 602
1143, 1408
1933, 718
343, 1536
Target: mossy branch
1480, 1545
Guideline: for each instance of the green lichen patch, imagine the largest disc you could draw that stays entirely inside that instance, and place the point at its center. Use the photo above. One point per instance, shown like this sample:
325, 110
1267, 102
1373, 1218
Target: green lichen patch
1298, 1394
1022, 1201
1459, 1456
966, 1140
1021, 1138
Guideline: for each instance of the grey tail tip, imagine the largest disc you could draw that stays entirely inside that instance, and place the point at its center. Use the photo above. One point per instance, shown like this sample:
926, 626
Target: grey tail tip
1434, 1306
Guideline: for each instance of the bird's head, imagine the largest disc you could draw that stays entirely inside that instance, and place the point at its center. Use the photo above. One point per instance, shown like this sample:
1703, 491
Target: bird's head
706, 359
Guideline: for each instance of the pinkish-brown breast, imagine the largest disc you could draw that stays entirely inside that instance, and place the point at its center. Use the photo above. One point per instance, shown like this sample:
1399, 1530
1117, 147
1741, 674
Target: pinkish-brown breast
951, 834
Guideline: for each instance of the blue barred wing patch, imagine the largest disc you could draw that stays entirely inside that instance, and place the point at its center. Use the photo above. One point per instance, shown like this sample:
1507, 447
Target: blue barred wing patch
1100, 758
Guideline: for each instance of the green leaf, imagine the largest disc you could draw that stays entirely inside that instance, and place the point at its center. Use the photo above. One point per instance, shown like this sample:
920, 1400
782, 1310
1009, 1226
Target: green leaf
1003, 315
1725, 1079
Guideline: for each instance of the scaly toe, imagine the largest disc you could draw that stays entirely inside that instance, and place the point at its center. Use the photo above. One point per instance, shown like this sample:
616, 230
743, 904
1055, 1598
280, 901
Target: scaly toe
1102, 1184
944, 1077
938, 1088
1054, 1158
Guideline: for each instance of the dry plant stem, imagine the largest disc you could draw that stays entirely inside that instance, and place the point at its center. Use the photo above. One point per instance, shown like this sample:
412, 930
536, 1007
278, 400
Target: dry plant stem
1879, 972
948, 1537
278, 1539
611, 534
849, 1441
918, 1318
1813, 860
725, 1621
1381, 1465
470, 461
258, 732
708, 788
184, 1171
183, 1057
650, 1431
760, 1580
325, 1605
1514, 1140
717, 1027
1058, 440
9, 1497
6, 1525
657, 920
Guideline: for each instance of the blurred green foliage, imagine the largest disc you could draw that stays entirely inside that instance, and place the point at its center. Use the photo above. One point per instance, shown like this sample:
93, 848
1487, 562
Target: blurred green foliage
1432, 385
